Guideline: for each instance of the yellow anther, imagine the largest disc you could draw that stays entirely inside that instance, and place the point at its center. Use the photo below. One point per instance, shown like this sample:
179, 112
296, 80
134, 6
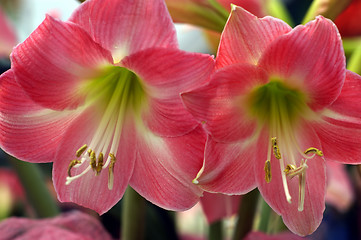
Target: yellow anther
276, 149
111, 171
81, 150
289, 168
93, 160
89, 152
71, 165
99, 166
267, 169
315, 151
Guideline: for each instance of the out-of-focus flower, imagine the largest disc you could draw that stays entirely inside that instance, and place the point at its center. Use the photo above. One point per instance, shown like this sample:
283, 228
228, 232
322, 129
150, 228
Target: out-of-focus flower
280, 103
339, 192
278, 236
99, 96
8, 38
217, 206
11, 191
348, 22
70, 226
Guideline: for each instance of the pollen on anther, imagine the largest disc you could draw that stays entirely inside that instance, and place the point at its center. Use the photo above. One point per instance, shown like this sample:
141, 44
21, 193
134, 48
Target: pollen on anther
267, 169
99, 166
315, 151
81, 150
71, 165
111, 171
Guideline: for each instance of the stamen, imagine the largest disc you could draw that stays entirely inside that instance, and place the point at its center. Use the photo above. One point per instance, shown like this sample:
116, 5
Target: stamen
99, 166
267, 169
93, 160
314, 151
111, 171
276, 149
81, 150
292, 171
71, 165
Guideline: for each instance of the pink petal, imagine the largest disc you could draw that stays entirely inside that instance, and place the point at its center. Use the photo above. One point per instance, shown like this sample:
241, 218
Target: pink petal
253, 6
340, 139
125, 27
71, 225
278, 236
349, 101
165, 167
8, 39
54, 60
217, 206
165, 74
29, 131
89, 190
310, 57
245, 37
219, 103
228, 167
299, 222
339, 187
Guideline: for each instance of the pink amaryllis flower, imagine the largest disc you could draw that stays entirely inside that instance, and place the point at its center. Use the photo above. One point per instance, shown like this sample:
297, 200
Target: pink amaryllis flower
279, 104
71, 226
98, 95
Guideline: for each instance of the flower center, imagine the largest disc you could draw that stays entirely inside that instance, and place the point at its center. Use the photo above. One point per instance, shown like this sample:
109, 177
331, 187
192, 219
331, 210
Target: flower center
281, 108
117, 94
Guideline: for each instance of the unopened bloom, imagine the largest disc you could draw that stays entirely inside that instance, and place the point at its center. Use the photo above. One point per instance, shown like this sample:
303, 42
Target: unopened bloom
280, 103
98, 95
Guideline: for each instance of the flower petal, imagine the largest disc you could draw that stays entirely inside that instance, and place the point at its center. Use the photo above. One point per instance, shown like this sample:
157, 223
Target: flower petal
349, 101
8, 39
29, 131
310, 57
89, 190
299, 222
339, 187
53, 61
125, 27
226, 205
228, 167
166, 73
219, 104
245, 37
340, 139
165, 167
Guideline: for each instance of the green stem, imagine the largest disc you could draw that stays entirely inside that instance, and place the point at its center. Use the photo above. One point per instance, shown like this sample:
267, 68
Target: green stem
35, 187
246, 214
329, 9
133, 216
216, 231
354, 63
264, 216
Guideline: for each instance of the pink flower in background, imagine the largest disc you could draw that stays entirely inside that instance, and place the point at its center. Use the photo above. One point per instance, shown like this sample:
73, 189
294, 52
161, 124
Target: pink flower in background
278, 236
8, 39
217, 206
98, 95
348, 22
71, 226
280, 103
339, 192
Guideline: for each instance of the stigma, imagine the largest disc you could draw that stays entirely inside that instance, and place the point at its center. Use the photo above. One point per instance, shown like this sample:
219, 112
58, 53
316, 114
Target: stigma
96, 164
289, 168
